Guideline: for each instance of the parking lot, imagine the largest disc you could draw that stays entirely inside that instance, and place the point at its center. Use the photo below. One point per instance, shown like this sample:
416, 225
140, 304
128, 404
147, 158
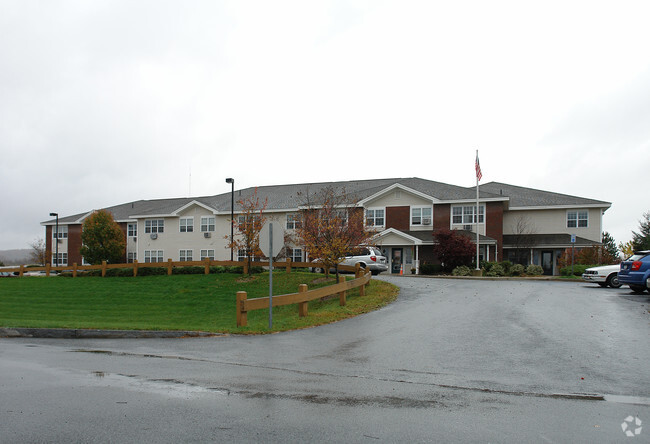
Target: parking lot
451, 360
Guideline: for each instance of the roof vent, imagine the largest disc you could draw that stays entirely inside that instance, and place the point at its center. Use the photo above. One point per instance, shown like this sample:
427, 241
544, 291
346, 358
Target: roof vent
501, 192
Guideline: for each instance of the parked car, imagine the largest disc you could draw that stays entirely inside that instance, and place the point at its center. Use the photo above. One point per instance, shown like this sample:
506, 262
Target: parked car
7, 274
369, 257
635, 272
606, 275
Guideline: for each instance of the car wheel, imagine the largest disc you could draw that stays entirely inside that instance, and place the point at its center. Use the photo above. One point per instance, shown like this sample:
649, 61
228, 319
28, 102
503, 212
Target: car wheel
637, 288
602, 284
612, 281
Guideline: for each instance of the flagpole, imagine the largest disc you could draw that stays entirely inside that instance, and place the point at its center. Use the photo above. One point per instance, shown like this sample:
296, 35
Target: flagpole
478, 267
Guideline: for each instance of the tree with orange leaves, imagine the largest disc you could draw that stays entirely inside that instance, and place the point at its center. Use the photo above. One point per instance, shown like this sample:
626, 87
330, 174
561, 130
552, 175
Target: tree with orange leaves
248, 226
332, 226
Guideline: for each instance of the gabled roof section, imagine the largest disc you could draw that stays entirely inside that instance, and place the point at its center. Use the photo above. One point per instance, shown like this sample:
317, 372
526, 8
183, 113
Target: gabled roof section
400, 187
190, 204
528, 198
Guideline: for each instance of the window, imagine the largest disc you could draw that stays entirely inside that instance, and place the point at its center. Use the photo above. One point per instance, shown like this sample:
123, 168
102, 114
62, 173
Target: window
295, 254
62, 259
132, 230
207, 223
577, 219
421, 215
131, 257
207, 254
375, 217
153, 256
185, 255
186, 224
241, 255
294, 220
465, 215
63, 232
154, 225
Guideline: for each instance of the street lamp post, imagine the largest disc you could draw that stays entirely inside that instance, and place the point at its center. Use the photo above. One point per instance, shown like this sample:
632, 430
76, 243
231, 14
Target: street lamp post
56, 236
231, 181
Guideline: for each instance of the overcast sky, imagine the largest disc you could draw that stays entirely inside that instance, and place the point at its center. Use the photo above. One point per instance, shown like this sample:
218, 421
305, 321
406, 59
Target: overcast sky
106, 102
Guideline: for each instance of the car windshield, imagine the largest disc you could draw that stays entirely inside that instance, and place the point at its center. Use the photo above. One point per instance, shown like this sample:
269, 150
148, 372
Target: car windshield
636, 257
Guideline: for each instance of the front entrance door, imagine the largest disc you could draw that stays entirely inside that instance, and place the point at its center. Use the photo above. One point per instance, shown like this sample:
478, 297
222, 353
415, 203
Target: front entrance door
547, 262
396, 260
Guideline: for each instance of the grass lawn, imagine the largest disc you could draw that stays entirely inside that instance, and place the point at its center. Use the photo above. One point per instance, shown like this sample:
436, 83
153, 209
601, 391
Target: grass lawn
178, 302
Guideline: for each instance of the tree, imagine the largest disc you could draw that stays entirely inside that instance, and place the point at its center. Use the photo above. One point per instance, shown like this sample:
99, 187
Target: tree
102, 238
641, 240
248, 227
609, 245
523, 239
452, 248
38, 255
626, 248
332, 226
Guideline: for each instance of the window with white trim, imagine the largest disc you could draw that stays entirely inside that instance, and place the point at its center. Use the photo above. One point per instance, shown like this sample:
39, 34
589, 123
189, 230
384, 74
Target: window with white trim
577, 219
153, 256
295, 254
375, 217
241, 255
131, 257
154, 225
63, 232
294, 220
132, 230
207, 223
62, 259
421, 215
465, 215
207, 254
186, 224
185, 255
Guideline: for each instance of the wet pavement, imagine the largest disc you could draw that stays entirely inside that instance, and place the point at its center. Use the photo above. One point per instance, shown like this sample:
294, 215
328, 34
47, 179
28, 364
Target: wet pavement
449, 361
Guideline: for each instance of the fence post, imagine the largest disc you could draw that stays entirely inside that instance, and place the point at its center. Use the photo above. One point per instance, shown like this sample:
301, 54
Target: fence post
22, 270
74, 269
242, 315
135, 267
342, 294
169, 266
207, 265
103, 268
47, 269
303, 307
288, 265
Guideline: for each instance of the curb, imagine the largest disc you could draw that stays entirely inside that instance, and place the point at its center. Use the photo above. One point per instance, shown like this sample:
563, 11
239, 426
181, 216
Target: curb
65, 333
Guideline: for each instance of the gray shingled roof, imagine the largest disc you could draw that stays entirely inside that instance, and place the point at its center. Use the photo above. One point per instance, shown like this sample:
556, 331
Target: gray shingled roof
529, 197
289, 196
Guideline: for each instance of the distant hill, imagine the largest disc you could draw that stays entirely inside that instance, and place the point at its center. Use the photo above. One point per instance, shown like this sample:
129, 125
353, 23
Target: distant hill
15, 257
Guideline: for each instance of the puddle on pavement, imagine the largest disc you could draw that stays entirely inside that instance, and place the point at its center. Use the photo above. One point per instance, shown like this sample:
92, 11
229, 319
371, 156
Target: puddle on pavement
167, 387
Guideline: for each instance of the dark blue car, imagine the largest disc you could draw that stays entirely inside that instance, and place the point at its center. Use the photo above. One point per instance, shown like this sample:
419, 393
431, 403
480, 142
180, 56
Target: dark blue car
635, 272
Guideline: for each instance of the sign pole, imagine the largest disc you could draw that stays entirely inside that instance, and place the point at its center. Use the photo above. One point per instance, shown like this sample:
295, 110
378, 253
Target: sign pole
270, 275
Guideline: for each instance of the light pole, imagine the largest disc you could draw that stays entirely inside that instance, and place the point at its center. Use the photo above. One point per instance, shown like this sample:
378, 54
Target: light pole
56, 236
231, 181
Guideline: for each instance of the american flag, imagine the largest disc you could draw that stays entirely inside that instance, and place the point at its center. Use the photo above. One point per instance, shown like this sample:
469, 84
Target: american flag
477, 166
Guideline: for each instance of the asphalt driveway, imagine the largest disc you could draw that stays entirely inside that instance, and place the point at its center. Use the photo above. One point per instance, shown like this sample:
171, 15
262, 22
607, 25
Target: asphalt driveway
450, 360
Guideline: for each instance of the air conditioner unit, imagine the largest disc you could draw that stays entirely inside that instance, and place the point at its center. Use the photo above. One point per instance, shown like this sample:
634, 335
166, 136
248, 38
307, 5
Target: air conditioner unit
468, 227
154, 235
426, 221
206, 234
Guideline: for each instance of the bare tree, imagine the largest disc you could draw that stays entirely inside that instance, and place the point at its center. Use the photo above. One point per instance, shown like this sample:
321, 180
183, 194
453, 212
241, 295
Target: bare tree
523, 238
38, 255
